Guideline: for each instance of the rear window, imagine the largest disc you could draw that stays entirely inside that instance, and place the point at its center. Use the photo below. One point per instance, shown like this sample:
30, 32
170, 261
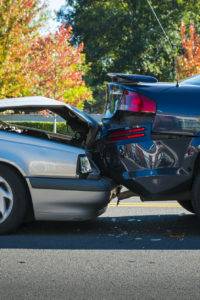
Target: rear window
195, 80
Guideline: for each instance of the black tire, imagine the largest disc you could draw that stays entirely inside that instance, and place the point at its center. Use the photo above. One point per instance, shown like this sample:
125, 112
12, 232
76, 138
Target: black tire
19, 203
187, 205
196, 195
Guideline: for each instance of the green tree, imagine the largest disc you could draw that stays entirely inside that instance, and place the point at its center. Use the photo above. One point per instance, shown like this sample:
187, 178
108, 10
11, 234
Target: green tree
124, 36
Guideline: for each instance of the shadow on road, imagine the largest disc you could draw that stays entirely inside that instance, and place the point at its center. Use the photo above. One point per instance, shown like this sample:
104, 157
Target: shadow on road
139, 232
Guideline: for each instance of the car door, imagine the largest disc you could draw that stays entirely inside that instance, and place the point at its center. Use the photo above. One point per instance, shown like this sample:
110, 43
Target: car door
147, 138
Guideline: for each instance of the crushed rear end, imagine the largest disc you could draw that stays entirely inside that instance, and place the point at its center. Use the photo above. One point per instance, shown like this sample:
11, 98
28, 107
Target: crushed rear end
145, 142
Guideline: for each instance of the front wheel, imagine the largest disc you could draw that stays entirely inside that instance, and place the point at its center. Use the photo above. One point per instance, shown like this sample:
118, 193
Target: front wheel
12, 200
187, 205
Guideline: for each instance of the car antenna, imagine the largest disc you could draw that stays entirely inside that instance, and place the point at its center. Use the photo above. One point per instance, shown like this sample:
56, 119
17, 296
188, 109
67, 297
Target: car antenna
168, 39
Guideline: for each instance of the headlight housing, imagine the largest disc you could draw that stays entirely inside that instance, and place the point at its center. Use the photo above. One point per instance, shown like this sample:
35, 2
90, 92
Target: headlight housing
84, 166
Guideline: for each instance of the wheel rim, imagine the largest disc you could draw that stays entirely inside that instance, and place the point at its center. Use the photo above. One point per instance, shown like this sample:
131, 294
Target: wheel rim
6, 199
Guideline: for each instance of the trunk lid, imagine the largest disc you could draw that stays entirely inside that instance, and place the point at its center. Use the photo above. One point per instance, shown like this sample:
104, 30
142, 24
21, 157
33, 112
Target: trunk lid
91, 124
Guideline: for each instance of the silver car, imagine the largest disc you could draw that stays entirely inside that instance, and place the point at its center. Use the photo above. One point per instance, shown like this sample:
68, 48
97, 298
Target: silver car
46, 175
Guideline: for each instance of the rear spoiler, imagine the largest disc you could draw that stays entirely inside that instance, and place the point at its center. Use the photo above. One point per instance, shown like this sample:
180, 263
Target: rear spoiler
132, 78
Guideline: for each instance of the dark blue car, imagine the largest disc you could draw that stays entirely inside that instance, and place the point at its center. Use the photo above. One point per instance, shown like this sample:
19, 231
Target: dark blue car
151, 138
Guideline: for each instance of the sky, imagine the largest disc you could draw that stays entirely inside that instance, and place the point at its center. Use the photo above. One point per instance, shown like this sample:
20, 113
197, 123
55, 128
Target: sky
53, 6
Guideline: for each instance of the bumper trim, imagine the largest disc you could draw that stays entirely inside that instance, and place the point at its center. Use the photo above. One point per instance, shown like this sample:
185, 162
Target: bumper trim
103, 184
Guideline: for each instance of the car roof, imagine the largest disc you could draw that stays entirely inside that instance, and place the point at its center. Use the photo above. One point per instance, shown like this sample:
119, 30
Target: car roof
34, 101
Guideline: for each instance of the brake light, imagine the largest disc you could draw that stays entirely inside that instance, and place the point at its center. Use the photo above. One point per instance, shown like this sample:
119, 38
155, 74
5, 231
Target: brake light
126, 134
132, 101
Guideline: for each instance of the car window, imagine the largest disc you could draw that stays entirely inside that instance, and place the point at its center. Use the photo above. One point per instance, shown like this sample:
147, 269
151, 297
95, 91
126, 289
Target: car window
43, 120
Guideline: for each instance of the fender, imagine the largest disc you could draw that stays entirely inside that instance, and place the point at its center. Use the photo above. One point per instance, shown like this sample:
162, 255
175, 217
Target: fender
36, 157
16, 166
191, 159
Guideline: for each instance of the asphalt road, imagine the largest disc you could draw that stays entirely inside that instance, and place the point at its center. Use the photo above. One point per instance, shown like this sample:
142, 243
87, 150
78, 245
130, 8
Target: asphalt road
135, 251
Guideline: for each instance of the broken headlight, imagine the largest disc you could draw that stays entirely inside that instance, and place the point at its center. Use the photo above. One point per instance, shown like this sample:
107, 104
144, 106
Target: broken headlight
84, 166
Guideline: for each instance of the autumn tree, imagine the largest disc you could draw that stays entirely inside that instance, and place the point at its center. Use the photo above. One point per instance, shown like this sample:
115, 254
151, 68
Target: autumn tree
189, 63
57, 68
34, 64
19, 24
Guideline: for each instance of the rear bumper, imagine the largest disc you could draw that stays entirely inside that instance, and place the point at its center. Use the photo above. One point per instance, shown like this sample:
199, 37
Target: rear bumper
161, 184
70, 199
155, 166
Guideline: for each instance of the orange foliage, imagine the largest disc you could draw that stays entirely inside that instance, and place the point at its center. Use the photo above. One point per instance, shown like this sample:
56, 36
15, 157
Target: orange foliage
17, 31
32, 64
58, 68
189, 63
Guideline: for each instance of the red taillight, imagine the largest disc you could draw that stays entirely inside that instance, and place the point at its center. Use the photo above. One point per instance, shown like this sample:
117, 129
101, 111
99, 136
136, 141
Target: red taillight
132, 101
126, 134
